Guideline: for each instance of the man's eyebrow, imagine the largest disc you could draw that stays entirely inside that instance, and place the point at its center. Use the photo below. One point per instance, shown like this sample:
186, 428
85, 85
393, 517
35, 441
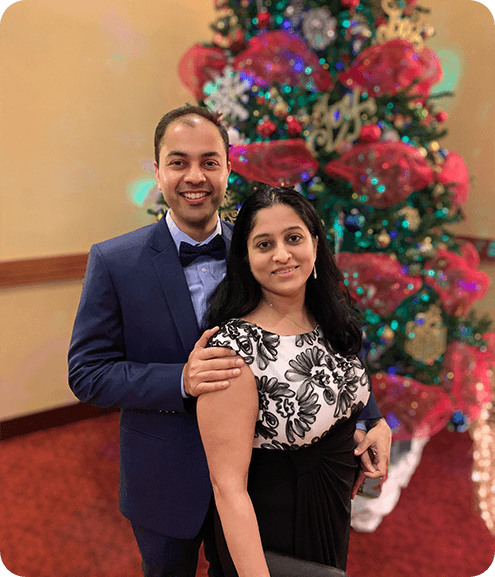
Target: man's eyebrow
184, 154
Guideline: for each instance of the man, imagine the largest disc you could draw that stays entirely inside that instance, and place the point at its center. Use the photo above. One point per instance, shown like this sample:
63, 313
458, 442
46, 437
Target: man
137, 345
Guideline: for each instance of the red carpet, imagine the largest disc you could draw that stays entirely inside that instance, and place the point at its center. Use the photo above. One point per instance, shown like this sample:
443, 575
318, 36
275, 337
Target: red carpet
60, 516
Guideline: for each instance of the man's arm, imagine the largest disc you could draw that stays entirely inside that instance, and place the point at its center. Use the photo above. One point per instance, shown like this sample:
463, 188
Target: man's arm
99, 371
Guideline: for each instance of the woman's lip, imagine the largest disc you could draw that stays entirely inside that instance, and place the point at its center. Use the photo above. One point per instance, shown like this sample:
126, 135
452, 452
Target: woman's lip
284, 270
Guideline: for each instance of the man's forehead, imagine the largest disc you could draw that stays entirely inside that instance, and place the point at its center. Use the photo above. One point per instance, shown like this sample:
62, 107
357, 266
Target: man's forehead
176, 140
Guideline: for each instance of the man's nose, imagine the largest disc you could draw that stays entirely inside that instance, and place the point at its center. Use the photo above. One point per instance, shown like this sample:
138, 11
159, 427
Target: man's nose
195, 174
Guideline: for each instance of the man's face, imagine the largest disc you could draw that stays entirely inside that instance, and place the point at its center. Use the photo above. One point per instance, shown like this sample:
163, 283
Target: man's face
192, 174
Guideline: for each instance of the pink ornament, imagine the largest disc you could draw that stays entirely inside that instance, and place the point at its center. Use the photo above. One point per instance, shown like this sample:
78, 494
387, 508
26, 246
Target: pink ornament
370, 133
294, 127
454, 172
441, 116
376, 280
456, 280
278, 162
350, 4
466, 376
266, 128
392, 67
386, 172
413, 409
263, 18
280, 57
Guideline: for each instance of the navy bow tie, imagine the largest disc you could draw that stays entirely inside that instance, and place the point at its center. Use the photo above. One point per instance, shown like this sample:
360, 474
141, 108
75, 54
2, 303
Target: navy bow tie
189, 252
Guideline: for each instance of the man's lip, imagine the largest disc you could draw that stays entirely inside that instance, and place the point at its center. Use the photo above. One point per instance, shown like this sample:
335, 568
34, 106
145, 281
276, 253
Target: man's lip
201, 192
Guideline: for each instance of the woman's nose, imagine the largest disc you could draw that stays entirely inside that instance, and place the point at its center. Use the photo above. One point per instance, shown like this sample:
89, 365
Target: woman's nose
281, 253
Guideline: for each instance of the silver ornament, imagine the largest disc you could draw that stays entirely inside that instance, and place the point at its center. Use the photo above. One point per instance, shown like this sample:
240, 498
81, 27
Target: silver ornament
319, 28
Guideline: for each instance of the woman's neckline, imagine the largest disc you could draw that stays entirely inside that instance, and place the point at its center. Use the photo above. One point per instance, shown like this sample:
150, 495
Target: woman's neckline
277, 334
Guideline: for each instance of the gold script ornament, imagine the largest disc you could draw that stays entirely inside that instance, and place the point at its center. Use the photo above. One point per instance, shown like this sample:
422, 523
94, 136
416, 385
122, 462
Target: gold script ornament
400, 26
343, 116
427, 336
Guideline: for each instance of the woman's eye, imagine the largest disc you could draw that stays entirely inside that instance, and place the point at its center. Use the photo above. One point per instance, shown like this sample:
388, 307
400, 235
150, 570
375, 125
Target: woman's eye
294, 238
263, 245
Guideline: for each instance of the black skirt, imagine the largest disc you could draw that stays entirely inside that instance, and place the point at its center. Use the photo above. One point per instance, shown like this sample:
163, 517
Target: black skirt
302, 499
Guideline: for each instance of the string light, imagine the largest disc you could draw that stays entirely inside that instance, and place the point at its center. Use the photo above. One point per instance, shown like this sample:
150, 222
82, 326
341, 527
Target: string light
483, 475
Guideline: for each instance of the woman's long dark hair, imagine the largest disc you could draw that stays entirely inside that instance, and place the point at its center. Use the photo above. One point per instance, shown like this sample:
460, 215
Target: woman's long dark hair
327, 299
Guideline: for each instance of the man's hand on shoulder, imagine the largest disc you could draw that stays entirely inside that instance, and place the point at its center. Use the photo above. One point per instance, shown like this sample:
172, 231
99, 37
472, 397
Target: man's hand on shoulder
209, 369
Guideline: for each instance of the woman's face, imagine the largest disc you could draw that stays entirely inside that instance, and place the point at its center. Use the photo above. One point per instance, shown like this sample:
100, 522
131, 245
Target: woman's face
281, 251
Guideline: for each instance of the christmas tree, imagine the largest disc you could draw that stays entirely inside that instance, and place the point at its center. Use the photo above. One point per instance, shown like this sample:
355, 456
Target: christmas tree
334, 98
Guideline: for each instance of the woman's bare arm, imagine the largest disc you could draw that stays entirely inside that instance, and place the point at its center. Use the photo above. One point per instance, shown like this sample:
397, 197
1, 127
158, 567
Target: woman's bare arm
226, 421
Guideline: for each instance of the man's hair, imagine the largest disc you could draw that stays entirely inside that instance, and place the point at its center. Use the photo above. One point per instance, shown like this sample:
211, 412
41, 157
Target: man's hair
186, 111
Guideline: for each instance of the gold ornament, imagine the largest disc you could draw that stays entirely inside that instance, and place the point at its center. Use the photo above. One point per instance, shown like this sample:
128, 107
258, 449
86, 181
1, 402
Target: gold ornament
426, 248
281, 109
401, 26
341, 115
387, 334
426, 336
411, 214
383, 239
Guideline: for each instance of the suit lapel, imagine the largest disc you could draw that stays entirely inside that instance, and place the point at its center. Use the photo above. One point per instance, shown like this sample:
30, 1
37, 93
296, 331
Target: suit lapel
176, 292
227, 235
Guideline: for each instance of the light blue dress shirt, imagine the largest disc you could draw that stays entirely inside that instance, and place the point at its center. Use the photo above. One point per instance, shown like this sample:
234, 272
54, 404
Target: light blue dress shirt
202, 276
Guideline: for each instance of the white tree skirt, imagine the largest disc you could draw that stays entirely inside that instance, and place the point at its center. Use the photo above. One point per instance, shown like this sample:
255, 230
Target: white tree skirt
368, 512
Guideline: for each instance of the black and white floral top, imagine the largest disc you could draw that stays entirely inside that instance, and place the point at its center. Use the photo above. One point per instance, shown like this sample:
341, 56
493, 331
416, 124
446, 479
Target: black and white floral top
304, 387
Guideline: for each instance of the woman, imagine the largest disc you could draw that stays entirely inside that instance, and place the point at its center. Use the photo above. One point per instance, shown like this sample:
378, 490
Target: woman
283, 307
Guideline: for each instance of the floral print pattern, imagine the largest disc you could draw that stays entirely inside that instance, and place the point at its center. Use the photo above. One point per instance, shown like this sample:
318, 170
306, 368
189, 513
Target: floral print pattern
304, 387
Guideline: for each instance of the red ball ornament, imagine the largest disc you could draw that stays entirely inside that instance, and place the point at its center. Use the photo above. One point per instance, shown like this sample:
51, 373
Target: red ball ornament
263, 18
370, 133
441, 116
266, 128
293, 126
350, 4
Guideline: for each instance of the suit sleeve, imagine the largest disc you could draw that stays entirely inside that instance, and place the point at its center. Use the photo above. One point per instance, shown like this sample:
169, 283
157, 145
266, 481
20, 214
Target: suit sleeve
371, 410
99, 372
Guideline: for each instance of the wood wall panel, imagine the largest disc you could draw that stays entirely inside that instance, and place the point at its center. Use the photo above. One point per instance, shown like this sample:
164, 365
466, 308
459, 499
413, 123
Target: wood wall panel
36, 270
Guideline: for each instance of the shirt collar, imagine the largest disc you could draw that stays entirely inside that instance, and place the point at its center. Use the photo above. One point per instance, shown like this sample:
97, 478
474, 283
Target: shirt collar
178, 236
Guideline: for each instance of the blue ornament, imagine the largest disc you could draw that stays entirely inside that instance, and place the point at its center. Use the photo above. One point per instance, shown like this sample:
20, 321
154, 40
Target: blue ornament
354, 221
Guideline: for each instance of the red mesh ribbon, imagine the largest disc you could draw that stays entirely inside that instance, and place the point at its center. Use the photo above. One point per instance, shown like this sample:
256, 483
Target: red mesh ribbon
376, 280
283, 58
391, 67
386, 172
456, 280
199, 65
412, 409
454, 171
488, 351
466, 376
278, 162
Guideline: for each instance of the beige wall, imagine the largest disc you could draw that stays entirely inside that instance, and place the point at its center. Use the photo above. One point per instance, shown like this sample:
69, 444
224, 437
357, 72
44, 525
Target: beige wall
83, 85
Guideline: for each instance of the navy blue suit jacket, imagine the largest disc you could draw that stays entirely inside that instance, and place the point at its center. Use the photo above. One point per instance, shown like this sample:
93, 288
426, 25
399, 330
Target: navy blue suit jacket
133, 332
